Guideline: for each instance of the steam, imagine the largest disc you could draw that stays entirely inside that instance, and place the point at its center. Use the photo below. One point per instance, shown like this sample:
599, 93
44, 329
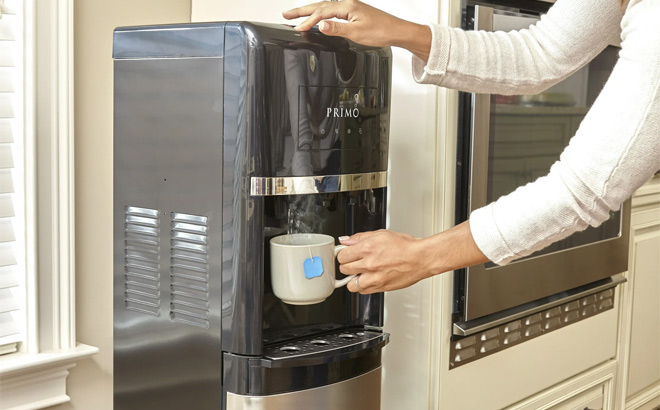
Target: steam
304, 215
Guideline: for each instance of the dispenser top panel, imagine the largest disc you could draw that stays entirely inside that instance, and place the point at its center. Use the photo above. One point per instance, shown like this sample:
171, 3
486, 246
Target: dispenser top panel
294, 103
191, 40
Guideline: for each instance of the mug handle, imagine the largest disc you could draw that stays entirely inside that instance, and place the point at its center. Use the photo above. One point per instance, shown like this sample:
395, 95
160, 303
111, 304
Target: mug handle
342, 282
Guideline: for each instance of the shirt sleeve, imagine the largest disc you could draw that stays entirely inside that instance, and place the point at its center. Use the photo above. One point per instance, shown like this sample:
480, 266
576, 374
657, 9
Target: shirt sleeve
521, 62
615, 150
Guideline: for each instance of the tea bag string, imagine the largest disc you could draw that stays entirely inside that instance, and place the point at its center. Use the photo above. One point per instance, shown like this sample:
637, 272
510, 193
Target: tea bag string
311, 257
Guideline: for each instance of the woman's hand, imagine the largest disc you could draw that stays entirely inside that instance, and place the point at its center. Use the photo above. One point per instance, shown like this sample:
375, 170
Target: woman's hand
384, 259
387, 260
364, 25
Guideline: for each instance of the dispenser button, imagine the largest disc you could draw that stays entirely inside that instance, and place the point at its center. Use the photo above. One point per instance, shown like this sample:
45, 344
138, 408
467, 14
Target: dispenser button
348, 131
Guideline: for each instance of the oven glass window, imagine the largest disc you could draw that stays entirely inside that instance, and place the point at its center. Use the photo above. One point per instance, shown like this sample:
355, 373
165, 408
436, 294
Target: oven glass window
528, 133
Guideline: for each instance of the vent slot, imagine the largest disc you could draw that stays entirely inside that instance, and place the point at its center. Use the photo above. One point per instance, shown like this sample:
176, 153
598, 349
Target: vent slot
142, 260
189, 270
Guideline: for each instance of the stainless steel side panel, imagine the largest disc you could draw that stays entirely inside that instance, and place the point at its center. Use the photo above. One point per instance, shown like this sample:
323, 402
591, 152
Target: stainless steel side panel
362, 392
167, 233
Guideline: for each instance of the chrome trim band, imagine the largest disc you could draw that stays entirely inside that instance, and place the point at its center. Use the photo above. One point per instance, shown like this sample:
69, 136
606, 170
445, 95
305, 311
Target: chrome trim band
471, 327
272, 186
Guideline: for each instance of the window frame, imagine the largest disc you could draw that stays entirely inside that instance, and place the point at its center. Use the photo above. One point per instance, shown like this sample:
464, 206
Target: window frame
35, 376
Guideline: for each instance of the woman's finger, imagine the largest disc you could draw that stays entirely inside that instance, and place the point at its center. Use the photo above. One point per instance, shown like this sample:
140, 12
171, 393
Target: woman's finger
351, 253
334, 28
316, 12
361, 284
334, 10
303, 11
355, 238
352, 268
352, 286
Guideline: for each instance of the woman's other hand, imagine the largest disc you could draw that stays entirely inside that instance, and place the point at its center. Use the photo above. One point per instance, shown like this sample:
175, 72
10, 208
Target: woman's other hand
364, 25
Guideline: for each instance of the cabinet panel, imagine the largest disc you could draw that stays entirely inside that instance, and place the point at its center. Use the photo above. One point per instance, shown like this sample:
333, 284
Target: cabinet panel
592, 399
639, 349
644, 359
592, 390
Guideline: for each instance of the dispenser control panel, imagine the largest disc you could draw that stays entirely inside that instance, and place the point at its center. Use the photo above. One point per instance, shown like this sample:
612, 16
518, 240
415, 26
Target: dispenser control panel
335, 117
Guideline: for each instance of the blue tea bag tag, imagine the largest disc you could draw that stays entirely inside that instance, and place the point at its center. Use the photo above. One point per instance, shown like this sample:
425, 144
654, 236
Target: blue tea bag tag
313, 267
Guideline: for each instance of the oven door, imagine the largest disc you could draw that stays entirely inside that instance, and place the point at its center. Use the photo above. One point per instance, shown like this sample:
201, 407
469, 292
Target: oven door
508, 142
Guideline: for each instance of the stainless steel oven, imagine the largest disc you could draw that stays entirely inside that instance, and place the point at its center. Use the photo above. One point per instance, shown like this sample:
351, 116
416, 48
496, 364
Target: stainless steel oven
506, 142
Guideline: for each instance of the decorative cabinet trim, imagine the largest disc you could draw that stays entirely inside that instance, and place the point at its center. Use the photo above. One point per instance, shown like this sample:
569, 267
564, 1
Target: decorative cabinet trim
649, 399
575, 390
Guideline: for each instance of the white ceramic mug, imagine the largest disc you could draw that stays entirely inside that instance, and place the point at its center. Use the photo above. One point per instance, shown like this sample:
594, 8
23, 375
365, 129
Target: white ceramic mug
302, 267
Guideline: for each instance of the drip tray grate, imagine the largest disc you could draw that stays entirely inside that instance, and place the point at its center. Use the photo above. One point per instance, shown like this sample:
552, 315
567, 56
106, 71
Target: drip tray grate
320, 343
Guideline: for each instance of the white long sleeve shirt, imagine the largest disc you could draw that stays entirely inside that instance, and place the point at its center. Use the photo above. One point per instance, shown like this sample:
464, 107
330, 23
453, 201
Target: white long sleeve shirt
617, 146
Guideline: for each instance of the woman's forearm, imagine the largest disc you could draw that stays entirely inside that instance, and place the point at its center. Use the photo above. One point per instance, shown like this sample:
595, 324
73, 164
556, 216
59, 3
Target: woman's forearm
413, 37
452, 249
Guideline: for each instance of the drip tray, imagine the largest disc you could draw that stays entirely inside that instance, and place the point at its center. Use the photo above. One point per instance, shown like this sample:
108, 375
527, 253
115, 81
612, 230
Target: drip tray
280, 336
321, 343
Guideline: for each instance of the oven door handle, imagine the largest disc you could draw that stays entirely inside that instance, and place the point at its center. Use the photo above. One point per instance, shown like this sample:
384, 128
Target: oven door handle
474, 326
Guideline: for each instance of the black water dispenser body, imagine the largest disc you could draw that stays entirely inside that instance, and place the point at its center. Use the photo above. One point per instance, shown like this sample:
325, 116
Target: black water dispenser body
226, 135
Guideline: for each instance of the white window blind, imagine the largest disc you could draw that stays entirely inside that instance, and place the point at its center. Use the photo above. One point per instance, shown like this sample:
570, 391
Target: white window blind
12, 243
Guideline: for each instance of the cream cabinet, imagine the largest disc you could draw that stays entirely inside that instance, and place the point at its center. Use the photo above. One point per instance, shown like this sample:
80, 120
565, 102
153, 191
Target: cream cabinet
639, 352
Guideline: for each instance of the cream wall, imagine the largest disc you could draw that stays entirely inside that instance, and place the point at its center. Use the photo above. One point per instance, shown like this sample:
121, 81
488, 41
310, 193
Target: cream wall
90, 382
